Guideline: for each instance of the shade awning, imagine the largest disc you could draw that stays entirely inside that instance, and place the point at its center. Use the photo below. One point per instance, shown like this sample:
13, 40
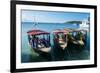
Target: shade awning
57, 31
37, 32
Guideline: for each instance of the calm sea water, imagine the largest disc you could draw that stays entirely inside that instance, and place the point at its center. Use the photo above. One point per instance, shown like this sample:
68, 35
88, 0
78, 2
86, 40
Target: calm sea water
49, 27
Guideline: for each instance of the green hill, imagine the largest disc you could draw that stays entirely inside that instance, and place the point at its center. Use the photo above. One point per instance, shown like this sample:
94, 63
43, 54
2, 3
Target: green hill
74, 22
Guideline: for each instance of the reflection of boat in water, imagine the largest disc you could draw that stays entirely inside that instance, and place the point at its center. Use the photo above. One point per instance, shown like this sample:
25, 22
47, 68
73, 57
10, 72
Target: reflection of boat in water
39, 40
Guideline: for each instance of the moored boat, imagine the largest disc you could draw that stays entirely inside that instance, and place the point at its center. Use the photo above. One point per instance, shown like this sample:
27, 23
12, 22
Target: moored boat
60, 37
39, 40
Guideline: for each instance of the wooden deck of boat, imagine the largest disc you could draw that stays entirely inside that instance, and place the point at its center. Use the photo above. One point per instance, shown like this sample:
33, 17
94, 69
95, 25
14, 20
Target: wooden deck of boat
64, 45
45, 49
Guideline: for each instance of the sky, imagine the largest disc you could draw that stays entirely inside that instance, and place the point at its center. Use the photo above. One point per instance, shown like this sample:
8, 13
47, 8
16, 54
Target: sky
52, 17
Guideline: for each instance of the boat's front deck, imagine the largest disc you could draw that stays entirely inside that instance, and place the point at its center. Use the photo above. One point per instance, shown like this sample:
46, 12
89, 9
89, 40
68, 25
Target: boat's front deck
45, 49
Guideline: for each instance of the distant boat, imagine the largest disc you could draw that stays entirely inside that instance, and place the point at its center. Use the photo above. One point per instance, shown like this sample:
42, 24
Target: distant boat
35, 23
84, 25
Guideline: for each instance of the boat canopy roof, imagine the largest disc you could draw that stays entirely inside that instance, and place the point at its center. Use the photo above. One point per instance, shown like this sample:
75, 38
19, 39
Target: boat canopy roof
57, 31
37, 32
78, 30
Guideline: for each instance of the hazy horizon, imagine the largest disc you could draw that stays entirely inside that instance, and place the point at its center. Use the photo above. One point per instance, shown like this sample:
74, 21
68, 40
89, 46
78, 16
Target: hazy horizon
51, 16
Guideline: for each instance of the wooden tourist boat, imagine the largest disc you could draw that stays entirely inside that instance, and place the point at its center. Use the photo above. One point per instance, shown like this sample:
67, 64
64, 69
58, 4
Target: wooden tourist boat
60, 37
39, 40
